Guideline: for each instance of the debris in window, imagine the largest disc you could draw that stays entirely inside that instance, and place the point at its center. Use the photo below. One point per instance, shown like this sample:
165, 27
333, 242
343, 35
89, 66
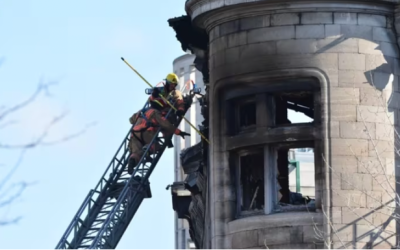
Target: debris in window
252, 182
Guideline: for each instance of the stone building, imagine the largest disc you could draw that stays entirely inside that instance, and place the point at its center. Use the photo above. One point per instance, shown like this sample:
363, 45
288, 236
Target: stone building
335, 61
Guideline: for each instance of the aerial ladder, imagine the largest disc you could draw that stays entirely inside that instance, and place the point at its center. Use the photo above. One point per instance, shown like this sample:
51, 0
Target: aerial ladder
109, 208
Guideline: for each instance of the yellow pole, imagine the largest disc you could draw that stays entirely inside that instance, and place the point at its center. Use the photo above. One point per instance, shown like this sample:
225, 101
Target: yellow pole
165, 100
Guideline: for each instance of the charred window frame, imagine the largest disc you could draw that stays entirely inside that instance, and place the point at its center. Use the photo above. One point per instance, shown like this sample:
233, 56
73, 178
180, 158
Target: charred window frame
242, 115
272, 132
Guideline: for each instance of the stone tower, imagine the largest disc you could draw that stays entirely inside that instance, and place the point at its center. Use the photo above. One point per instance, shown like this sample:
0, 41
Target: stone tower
335, 61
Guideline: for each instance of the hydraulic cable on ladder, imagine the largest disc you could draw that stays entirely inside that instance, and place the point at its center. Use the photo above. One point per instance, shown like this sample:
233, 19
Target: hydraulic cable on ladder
102, 220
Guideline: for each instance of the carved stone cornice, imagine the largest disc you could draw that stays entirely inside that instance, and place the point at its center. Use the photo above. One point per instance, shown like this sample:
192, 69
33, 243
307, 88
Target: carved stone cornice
209, 13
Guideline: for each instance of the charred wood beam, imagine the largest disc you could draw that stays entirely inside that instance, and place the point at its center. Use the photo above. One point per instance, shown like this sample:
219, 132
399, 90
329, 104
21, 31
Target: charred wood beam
274, 135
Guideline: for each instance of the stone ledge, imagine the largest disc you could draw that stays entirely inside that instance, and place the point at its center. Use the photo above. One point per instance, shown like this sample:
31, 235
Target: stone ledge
197, 8
274, 220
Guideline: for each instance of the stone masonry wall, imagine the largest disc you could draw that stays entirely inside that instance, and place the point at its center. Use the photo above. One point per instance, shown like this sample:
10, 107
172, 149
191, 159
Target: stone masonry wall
359, 56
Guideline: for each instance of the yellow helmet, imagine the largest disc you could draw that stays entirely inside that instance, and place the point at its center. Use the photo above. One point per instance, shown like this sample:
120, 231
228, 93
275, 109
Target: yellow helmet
172, 78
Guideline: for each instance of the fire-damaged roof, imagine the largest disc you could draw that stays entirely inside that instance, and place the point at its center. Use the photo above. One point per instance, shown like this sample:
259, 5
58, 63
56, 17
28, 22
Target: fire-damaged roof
188, 35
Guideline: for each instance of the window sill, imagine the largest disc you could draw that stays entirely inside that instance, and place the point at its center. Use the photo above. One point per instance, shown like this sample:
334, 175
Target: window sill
286, 219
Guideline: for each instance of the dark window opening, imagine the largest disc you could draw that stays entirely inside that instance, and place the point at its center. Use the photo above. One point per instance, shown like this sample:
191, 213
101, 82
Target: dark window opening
296, 179
252, 182
247, 115
294, 107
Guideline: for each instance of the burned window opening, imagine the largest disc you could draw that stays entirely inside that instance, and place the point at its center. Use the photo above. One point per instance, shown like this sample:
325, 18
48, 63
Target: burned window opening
296, 179
252, 182
247, 115
300, 101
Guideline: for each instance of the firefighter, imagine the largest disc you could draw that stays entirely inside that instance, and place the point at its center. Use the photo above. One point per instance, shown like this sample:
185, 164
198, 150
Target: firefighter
169, 92
173, 95
147, 123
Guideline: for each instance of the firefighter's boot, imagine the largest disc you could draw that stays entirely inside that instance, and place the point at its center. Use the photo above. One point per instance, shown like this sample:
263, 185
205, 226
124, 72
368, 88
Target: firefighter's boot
131, 165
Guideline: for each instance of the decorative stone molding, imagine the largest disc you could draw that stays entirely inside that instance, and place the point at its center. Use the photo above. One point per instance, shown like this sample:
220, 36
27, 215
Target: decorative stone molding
210, 13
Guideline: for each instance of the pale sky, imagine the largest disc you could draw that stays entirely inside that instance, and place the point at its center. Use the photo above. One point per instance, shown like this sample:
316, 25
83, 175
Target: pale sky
79, 45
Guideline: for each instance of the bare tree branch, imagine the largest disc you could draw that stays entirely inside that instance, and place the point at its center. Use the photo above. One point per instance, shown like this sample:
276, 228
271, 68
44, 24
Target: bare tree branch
42, 87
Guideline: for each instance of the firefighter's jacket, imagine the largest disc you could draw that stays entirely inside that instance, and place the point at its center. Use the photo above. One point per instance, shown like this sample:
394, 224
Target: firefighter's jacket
151, 122
142, 134
174, 97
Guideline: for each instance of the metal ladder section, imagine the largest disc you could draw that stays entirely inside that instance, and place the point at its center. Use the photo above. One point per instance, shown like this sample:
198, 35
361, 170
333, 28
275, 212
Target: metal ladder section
108, 208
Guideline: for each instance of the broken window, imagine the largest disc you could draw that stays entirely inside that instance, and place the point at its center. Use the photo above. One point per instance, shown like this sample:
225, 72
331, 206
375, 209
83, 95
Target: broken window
296, 179
294, 107
252, 182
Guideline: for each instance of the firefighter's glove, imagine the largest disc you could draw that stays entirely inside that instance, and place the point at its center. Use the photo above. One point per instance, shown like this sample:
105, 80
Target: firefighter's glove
156, 92
180, 113
183, 134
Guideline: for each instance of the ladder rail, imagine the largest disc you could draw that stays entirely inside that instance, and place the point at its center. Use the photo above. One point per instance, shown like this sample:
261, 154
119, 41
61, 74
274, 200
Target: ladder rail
87, 202
111, 224
126, 189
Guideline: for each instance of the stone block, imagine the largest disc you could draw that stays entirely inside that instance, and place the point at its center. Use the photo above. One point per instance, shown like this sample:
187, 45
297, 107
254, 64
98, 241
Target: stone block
359, 182
353, 78
218, 45
333, 76
357, 130
368, 47
271, 34
246, 239
232, 55
374, 199
344, 164
344, 96
334, 129
389, 49
349, 147
389, 199
298, 46
372, 97
310, 31
348, 198
330, 45
372, 20
374, 114
285, 19
341, 112
229, 27
259, 49
379, 63
236, 39
380, 34
358, 216
371, 165
272, 236
218, 59
336, 181
332, 31
345, 18
384, 149
351, 62
255, 22
317, 18
356, 31
385, 132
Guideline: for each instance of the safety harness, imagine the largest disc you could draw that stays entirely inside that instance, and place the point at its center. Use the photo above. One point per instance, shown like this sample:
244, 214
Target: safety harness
149, 124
